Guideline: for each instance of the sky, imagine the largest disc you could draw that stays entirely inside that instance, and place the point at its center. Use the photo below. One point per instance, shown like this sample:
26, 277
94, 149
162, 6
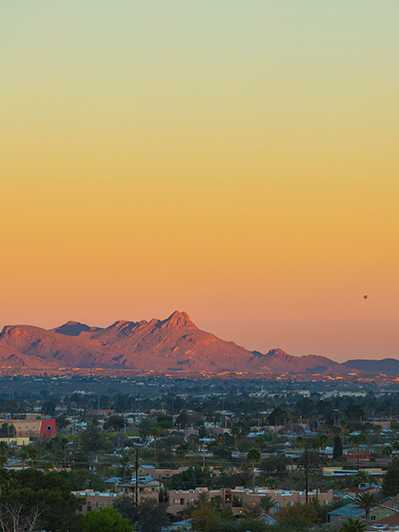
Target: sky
236, 160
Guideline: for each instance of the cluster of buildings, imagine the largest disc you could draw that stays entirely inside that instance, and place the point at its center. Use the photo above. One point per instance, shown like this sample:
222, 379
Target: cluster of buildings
382, 516
179, 501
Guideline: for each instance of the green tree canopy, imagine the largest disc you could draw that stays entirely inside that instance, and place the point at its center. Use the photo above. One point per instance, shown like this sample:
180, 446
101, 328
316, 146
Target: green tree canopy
366, 501
353, 525
390, 485
49, 493
299, 516
105, 520
152, 517
338, 448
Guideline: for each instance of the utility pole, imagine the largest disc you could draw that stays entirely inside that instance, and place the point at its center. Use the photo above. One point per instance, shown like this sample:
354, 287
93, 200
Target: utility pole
136, 495
306, 474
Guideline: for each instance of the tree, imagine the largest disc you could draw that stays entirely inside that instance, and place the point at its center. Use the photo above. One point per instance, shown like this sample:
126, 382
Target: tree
278, 416
191, 478
92, 439
7, 431
319, 442
390, 486
365, 501
275, 465
17, 518
205, 518
49, 407
253, 458
338, 448
244, 525
152, 517
49, 493
353, 525
183, 420
125, 463
121, 402
387, 451
252, 511
165, 422
115, 423
267, 504
105, 520
62, 421
355, 413
4, 451
124, 505
299, 516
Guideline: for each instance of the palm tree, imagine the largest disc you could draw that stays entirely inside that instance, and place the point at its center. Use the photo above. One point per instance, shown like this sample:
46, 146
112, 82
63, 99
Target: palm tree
387, 451
353, 525
366, 501
267, 503
356, 441
362, 478
319, 442
236, 431
253, 458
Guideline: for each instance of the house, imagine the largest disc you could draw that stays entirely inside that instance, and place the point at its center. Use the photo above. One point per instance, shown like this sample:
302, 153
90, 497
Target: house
182, 500
33, 427
241, 497
386, 512
113, 481
256, 434
159, 473
15, 464
345, 472
147, 489
389, 523
94, 500
100, 412
347, 511
178, 526
15, 442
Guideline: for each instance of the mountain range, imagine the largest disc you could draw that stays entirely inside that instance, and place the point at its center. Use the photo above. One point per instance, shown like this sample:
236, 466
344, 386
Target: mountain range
172, 346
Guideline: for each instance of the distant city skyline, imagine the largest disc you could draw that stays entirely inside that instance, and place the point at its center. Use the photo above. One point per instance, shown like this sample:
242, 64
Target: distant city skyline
235, 160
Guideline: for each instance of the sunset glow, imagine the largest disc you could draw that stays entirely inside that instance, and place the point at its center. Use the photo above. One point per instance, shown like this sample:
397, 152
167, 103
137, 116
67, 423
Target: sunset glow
236, 160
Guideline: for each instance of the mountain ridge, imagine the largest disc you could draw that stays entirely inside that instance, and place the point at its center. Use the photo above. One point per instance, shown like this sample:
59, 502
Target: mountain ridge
174, 345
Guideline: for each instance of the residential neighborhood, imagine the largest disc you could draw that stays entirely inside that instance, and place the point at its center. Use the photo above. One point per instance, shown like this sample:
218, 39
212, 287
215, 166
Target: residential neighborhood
271, 456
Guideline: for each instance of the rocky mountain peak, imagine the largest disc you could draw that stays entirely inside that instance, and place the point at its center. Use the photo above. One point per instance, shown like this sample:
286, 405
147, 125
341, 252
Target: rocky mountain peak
72, 328
178, 320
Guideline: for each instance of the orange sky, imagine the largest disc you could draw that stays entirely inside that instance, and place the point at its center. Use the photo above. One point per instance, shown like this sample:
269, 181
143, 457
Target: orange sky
240, 164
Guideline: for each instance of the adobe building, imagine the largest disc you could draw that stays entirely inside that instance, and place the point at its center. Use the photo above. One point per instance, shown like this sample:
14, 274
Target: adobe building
94, 500
31, 427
